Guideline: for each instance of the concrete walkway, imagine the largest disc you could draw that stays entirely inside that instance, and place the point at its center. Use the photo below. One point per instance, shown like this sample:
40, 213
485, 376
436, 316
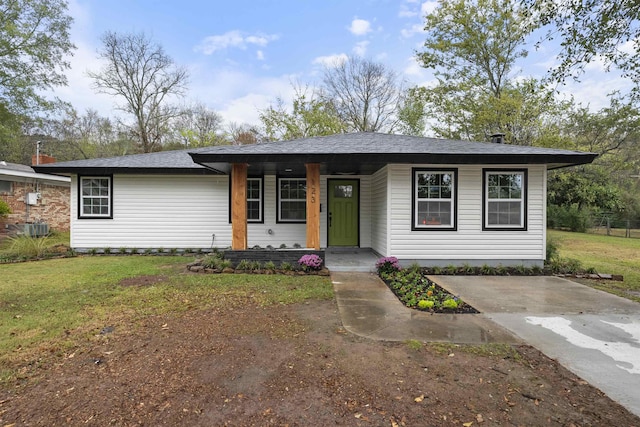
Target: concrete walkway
594, 334
369, 309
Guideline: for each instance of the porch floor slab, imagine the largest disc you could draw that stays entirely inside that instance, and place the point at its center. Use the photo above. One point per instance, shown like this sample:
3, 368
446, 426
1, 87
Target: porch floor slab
350, 259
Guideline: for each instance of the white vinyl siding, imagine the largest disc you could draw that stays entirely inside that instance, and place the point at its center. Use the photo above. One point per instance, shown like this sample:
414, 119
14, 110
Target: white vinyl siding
470, 242
151, 211
380, 208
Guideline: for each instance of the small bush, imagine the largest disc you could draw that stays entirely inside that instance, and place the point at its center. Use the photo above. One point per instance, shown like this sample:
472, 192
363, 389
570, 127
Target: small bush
211, 261
286, 266
388, 264
29, 247
269, 265
552, 249
244, 264
4, 209
310, 262
255, 265
425, 304
450, 303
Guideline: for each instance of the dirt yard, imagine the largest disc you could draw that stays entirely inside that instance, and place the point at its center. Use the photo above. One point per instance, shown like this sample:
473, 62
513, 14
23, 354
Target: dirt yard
293, 366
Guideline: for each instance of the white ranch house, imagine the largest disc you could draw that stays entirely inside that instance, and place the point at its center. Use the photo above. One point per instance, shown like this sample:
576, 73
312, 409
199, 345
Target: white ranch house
425, 200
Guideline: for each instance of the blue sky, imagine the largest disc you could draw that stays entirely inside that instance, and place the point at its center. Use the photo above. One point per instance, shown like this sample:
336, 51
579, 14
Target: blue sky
243, 54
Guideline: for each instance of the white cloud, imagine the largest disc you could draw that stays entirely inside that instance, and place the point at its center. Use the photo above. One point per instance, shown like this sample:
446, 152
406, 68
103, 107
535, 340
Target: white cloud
330, 60
413, 69
233, 39
428, 7
360, 48
406, 12
360, 27
260, 55
236, 94
411, 31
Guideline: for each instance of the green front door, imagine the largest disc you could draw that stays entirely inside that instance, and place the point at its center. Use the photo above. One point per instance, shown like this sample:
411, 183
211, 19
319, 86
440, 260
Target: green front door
344, 212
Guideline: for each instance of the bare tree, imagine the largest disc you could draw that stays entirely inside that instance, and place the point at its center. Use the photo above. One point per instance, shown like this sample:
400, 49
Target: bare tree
138, 70
366, 94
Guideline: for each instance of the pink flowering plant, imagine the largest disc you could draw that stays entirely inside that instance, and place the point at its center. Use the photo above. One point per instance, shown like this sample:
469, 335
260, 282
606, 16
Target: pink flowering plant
310, 262
388, 265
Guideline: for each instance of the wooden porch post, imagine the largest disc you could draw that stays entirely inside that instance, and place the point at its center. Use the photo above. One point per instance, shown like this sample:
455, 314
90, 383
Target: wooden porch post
239, 206
313, 205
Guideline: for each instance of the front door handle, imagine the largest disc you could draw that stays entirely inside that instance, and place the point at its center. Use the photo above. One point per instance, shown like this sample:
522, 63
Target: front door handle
329, 219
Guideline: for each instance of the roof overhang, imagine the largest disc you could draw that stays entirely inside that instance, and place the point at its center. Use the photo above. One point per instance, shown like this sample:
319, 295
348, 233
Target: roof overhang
14, 175
79, 170
368, 163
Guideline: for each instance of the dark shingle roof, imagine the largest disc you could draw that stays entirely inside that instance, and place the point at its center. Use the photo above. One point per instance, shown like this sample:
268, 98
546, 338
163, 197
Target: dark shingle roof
170, 162
369, 150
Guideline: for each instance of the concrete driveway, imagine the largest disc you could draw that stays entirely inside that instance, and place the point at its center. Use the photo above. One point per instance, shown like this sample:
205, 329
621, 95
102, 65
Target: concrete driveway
594, 334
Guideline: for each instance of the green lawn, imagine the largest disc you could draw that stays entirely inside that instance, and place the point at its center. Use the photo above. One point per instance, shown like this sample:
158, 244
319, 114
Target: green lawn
607, 254
47, 307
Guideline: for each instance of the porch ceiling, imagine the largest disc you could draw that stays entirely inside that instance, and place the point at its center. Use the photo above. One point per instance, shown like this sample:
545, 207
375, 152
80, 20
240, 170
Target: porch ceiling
369, 163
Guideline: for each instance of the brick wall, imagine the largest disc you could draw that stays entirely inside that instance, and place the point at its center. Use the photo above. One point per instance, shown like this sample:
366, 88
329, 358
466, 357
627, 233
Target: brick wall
52, 208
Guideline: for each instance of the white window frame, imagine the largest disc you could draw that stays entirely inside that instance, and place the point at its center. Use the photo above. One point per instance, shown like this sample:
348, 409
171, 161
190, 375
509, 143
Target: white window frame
280, 219
419, 223
84, 198
522, 200
259, 199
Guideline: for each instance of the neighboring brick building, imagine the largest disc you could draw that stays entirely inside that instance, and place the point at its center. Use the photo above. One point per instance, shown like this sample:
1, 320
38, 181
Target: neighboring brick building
34, 197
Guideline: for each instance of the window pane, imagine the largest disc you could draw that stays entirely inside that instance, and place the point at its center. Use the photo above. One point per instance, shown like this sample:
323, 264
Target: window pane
434, 204
505, 213
293, 199
253, 210
343, 191
95, 200
434, 213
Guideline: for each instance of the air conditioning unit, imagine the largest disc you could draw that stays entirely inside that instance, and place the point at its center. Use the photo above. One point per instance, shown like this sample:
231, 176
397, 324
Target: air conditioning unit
36, 230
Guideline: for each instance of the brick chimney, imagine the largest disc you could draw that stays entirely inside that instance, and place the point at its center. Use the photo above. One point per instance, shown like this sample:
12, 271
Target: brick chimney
497, 138
44, 159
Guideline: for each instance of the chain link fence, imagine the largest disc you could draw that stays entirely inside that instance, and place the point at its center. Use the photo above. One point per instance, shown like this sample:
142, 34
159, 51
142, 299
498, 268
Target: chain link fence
612, 226
582, 220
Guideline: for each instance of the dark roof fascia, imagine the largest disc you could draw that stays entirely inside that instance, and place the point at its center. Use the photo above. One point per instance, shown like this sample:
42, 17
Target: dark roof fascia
449, 158
124, 171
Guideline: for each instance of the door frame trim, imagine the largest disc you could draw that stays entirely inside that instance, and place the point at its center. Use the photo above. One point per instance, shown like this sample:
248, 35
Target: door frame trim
357, 181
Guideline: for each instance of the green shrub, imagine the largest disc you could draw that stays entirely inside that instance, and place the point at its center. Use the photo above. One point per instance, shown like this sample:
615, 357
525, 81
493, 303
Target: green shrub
571, 217
286, 266
269, 265
211, 262
244, 264
4, 209
450, 303
29, 247
552, 249
425, 304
